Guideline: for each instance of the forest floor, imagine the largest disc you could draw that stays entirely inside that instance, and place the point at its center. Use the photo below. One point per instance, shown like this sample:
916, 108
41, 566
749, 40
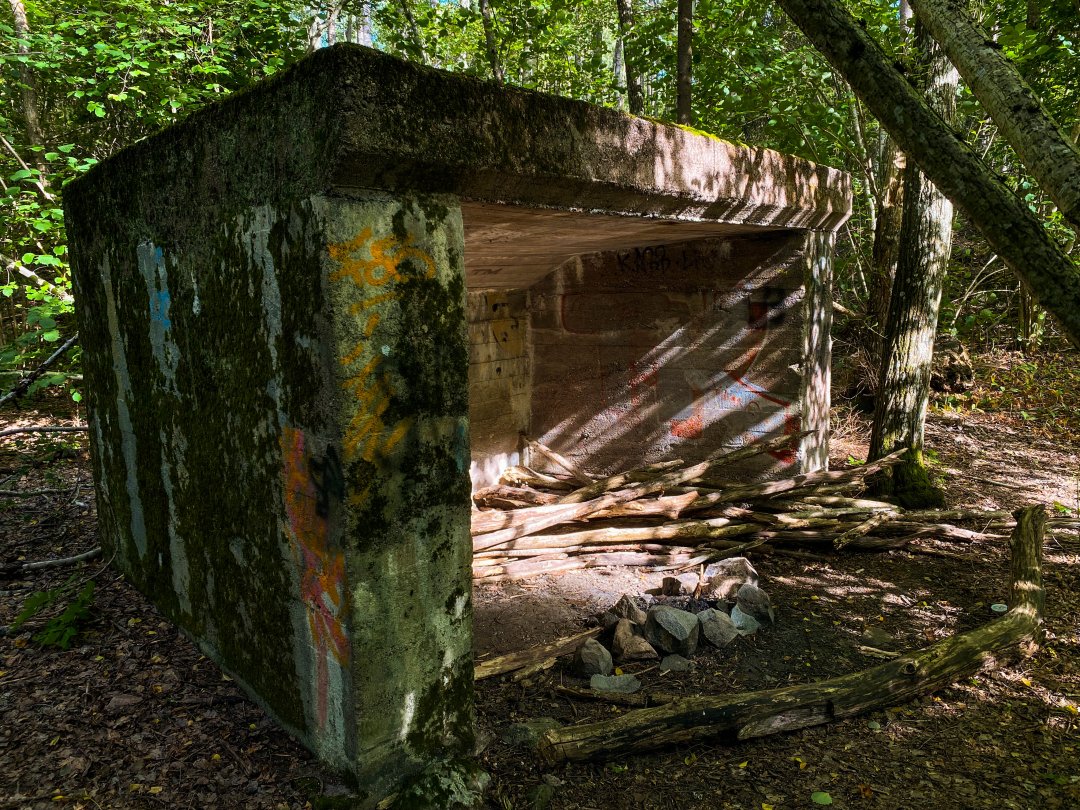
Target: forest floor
133, 716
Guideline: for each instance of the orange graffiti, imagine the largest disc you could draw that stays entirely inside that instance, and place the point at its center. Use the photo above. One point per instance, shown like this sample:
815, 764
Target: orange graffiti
322, 568
691, 427
367, 435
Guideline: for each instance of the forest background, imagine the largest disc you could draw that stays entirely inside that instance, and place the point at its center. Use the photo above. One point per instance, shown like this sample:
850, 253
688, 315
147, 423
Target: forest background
81, 80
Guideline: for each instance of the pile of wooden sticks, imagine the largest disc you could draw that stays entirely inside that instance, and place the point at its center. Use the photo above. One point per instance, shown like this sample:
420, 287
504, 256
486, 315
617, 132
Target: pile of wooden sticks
677, 516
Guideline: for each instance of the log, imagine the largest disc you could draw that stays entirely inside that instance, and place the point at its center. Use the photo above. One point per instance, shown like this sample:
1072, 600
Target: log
679, 477
510, 662
523, 476
670, 507
501, 496
558, 460
675, 530
867, 526
757, 714
746, 492
641, 699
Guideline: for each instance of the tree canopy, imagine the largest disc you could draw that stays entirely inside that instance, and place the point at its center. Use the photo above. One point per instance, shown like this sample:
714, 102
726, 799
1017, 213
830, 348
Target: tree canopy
80, 80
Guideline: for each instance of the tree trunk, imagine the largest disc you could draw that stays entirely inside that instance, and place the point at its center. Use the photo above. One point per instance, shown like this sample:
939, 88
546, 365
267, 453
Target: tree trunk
414, 32
1013, 232
908, 340
634, 97
35, 136
497, 72
886, 238
1044, 148
618, 73
685, 66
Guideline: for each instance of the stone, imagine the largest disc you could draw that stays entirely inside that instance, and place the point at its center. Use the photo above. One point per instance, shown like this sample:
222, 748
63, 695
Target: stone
626, 608
717, 627
876, 637
746, 624
724, 578
528, 733
753, 601
672, 630
628, 644
676, 663
592, 659
624, 684
608, 619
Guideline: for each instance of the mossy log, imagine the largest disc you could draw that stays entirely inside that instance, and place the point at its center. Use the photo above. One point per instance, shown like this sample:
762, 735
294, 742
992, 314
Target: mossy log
757, 714
523, 658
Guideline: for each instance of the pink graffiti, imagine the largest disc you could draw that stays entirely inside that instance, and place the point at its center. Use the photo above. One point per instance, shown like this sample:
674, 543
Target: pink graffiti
321, 568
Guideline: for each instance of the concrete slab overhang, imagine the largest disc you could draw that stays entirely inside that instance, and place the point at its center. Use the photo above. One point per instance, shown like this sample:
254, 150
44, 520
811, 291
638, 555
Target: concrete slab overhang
353, 117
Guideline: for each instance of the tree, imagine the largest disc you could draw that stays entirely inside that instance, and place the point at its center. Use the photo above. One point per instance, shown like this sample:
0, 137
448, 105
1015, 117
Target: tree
685, 63
1005, 222
633, 81
1045, 149
908, 340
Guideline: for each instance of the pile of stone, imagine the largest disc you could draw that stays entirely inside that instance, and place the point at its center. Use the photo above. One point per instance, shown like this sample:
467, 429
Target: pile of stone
669, 626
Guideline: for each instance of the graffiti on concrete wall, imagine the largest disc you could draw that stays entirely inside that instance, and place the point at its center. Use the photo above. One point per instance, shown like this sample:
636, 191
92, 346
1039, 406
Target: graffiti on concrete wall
309, 485
374, 267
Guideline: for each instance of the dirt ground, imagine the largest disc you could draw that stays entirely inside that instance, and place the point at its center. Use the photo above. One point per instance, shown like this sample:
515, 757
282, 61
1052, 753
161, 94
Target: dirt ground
133, 716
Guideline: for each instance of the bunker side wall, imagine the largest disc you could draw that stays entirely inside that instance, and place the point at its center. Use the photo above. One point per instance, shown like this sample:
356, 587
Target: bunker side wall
500, 378
672, 351
210, 394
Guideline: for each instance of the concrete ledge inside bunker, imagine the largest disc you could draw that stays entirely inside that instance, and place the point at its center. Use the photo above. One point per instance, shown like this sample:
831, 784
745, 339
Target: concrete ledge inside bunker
309, 310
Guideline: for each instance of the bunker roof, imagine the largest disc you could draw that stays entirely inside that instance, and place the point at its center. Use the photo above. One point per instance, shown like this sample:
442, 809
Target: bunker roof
351, 117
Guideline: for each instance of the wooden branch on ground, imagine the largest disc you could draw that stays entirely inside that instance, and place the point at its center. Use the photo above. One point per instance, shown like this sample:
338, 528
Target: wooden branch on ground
491, 667
639, 699
60, 561
523, 476
758, 714
558, 460
42, 429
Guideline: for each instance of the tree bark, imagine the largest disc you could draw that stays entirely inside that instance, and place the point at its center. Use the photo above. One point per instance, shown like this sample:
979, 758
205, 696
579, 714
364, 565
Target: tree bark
634, 97
497, 72
685, 63
925, 244
1049, 154
35, 135
758, 714
886, 237
1009, 227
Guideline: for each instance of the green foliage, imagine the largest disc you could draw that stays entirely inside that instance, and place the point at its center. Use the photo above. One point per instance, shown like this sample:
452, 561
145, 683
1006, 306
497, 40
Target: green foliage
103, 75
61, 629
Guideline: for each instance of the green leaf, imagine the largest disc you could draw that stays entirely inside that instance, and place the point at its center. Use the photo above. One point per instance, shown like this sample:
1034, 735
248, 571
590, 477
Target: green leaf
820, 797
51, 336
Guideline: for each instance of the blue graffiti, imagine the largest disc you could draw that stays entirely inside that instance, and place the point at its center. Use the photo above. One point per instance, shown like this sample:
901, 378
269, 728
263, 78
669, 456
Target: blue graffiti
159, 309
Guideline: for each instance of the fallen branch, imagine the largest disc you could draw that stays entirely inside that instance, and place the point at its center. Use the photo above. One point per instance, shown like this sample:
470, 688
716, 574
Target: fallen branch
557, 459
23, 384
523, 658
60, 561
641, 699
42, 429
757, 714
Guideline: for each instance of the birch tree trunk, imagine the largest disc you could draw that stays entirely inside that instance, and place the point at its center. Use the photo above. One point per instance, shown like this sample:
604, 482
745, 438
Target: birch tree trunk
908, 341
685, 63
1049, 154
634, 97
1013, 232
34, 133
497, 72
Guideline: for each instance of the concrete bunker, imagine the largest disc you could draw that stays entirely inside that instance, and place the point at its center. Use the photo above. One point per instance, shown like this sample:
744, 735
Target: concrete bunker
310, 313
